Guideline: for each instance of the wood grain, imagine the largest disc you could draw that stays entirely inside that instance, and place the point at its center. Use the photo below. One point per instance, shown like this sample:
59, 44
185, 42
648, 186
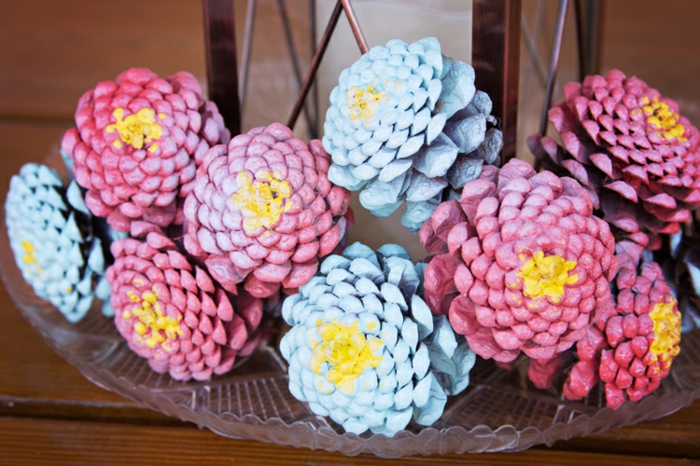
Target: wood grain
660, 43
52, 52
33, 441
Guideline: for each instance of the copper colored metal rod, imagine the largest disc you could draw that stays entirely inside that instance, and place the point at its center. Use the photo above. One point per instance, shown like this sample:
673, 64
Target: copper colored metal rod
247, 44
355, 26
222, 75
313, 131
553, 64
291, 50
530, 42
322, 46
581, 42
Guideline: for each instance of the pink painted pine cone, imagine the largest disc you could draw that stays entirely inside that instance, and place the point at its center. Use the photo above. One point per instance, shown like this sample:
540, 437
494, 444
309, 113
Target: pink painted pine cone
520, 262
542, 372
137, 143
174, 314
632, 349
629, 146
263, 211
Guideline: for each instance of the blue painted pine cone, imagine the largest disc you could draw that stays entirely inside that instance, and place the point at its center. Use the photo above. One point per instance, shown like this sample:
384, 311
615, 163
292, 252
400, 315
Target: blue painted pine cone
53, 247
364, 348
408, 124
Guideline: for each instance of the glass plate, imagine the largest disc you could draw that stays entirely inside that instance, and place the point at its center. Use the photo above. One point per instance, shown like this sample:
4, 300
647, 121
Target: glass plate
500, 411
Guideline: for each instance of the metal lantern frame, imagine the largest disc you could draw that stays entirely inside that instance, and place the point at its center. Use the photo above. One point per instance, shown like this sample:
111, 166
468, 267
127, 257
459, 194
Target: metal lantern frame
496, 32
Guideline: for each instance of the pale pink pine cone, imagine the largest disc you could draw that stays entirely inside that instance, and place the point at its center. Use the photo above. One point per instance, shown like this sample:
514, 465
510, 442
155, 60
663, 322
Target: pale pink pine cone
493, 250
263, 212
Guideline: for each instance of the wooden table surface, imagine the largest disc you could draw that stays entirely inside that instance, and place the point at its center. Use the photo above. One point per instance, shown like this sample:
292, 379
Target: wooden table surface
51, 52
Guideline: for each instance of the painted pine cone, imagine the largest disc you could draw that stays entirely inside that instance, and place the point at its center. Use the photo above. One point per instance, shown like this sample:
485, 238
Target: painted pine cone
542, 372
137, 142
364, 348
407, 123
175, 315
52, 241
629, 146
631, 350
520, 262
263, 211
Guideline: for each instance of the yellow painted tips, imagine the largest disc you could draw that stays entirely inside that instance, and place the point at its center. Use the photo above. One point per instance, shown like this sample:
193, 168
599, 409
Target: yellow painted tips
261, 201
137, 129
153, 325
664, 121
29, 255
667, 331
347, 352
545, 277
362, 103
133, 297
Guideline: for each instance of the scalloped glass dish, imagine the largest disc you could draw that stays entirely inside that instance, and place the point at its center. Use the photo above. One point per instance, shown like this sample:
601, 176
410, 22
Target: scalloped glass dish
500, 411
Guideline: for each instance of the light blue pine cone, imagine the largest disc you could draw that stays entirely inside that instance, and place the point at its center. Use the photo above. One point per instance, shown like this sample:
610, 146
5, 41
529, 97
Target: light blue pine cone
45, 224
364, 348
408, 124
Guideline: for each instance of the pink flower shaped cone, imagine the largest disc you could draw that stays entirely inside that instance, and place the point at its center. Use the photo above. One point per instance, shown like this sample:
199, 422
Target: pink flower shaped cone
520, 262
263, 212
174, 314
629, 146
631, 349
137, 143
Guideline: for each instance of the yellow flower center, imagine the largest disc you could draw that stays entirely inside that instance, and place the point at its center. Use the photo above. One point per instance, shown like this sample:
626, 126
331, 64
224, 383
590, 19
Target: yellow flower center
262, 201
137, 129
362, 103
153, 327
667, 331
29, 257
665, 120
347, 352
547, 276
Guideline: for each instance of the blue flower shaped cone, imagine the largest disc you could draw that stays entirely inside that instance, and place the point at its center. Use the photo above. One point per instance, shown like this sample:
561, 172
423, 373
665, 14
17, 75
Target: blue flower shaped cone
408, 124
52, 243
364, 348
